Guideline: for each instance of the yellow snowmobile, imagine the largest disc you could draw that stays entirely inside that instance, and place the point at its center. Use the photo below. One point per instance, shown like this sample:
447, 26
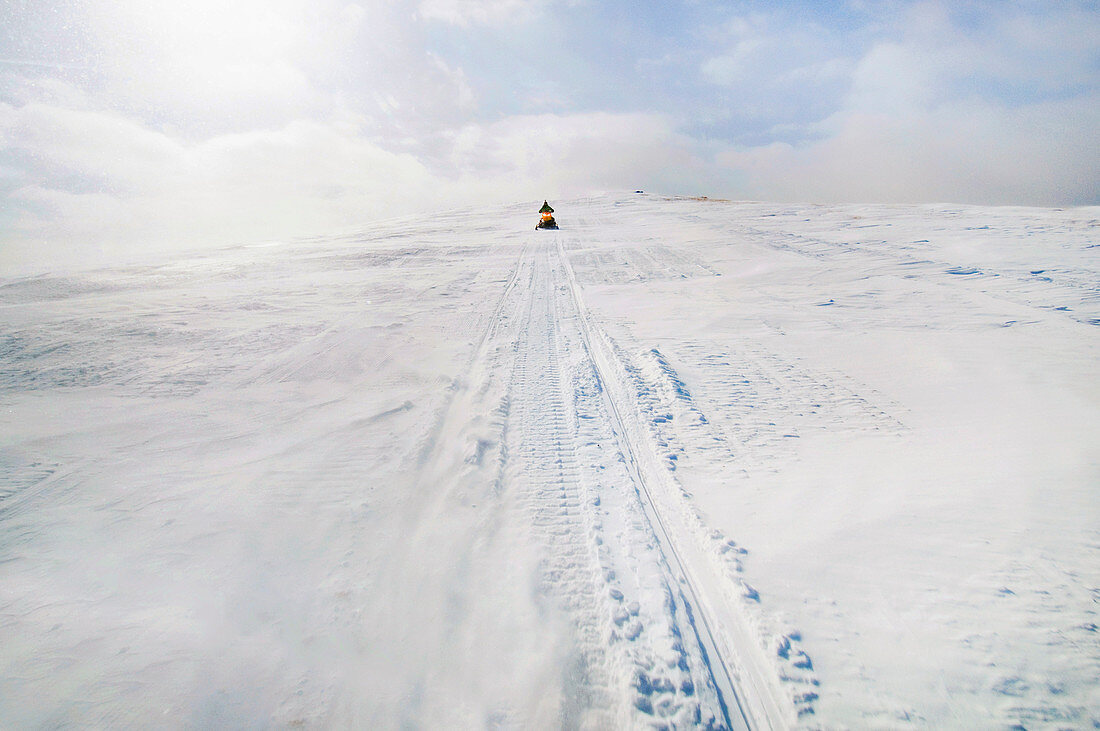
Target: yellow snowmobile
547, 220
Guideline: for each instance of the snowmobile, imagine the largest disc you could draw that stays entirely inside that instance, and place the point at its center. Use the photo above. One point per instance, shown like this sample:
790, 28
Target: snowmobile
547, 220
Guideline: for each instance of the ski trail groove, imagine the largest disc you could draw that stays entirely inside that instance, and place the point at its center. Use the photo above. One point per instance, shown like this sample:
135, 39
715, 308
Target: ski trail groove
742, 675
638, 649
547, 468
541, 426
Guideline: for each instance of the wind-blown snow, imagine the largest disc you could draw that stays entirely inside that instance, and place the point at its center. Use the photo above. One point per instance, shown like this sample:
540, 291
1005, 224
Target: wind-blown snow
684, 460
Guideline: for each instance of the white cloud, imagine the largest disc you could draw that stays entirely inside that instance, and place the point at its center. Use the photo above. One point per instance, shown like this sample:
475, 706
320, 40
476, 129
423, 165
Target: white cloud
93, 146
208, 67
775, 69
480, 12
459, 87
553, 155
116, 185
736, 65
895, 78
964, 152
1002, 113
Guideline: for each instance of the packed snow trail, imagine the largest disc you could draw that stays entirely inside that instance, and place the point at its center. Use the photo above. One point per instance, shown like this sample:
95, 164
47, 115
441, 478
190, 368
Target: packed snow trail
645, 641
731, 650
545, 444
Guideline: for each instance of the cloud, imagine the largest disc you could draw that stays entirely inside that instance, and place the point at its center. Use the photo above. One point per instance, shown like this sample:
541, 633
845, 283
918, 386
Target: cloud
552, 155
1002, 111
963, 152
777, 71
200, 127
480, 12
100, 149
106, 184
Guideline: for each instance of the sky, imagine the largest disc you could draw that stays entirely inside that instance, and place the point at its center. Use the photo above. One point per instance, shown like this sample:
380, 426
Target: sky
141, 125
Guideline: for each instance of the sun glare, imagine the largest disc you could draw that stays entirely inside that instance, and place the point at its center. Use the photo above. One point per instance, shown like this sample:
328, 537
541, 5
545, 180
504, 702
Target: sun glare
246, 30
205, 58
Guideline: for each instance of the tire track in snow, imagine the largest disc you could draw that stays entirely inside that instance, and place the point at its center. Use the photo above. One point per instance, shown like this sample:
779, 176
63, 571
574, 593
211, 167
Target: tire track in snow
738, 668
533, 435
633, 657
547, 476
478, 366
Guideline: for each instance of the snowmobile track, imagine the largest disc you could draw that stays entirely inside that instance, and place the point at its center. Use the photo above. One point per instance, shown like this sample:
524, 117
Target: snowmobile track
646, 646
548, 471
685, 595
740, 674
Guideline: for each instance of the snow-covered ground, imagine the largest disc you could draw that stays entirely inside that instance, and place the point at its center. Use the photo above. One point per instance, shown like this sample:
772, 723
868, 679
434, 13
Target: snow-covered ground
692, 461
